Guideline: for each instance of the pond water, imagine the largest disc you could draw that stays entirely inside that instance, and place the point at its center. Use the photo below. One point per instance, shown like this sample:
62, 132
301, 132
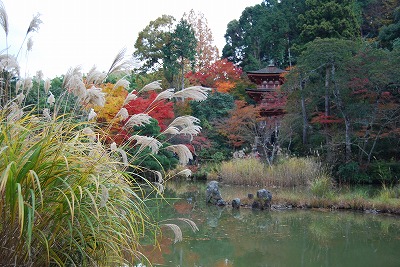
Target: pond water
244, 237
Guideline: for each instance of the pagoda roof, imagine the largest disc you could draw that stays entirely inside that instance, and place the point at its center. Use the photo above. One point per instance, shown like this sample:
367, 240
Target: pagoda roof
271, 69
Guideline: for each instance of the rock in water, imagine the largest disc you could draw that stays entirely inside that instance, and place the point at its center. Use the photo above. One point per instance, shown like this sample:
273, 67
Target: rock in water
263, 200
213, 195
236, 203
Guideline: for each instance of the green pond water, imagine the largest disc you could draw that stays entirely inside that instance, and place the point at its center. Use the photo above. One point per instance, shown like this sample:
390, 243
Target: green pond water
244, 237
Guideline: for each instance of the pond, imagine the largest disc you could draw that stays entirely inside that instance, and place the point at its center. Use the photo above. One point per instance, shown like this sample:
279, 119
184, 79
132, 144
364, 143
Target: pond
244, 237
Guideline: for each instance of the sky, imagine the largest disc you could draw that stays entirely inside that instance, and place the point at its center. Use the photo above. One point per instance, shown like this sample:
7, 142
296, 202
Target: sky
90, 33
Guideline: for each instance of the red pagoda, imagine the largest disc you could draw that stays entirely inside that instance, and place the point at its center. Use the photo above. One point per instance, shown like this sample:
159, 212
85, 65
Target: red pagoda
267, 94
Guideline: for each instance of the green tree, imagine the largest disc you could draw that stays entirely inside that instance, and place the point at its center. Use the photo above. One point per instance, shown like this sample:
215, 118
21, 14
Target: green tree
321, 77
181, 48
375, 15
390, 35
151, 40
263, 32
329, 19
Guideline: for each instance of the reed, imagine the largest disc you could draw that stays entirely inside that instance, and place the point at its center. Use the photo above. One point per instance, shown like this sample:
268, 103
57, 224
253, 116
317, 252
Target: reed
289, 172
249, 171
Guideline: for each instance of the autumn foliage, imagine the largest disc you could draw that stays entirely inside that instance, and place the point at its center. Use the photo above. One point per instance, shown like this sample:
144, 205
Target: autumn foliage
162, 110
221, 75
240, 127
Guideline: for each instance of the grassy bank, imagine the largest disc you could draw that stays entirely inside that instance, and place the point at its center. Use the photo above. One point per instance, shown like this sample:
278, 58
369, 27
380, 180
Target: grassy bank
305, 183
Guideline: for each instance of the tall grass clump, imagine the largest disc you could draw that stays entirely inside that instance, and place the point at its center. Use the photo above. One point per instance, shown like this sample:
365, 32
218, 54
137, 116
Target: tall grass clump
71, 194
247, 171
322, 186
294, 171
64, 199
285, 173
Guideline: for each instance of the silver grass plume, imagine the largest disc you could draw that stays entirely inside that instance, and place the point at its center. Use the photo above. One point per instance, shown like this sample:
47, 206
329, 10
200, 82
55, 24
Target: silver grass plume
27, 86
129, 98
95, 96
18, 86
145, 141
92, 114
184, 125
171, 130
51, 99
166, 94
185, 172
184, 121
9, 63
121, 82
95, 77
76, 86
35, 23
15, 113
20, 98
191, 130
139, 119
182, 151
89, 133
159, 176
39, 76
160, 188
122, 114
114, 148
3, 18
177, 231
72, 72
47, 85
119, 64
46, 114
191, 223
29, 44
156, 85
197, 93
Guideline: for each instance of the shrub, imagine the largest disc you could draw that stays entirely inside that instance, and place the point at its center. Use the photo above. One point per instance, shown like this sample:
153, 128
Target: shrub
352, 173
322, 186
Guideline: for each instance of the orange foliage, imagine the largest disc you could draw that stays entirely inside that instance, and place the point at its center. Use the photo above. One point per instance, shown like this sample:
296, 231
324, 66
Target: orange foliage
224, 86
222, 75
240, 126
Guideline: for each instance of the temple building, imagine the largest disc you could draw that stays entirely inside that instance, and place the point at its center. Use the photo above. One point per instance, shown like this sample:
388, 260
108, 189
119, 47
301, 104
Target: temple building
267, 94
271, 100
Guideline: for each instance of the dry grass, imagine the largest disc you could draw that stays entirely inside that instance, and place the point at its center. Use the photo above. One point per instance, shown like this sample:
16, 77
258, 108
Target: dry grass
289, 172
244, 172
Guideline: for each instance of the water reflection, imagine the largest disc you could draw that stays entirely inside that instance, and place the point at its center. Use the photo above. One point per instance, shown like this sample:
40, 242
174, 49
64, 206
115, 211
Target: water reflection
244, 237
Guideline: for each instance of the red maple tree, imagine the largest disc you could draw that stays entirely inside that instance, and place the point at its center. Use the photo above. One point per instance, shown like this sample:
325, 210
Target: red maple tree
221, 75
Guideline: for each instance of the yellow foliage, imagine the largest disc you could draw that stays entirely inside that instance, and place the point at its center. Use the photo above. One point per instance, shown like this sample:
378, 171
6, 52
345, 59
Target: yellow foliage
114, 100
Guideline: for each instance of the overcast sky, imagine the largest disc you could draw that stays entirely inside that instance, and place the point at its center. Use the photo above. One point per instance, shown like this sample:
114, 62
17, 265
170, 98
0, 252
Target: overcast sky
92, 32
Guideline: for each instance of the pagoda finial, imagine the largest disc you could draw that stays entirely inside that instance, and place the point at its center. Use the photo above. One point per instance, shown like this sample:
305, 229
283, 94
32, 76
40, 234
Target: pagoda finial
271, 63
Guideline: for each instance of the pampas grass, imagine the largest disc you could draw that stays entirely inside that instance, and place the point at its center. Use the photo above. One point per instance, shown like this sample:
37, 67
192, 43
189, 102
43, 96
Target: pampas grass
4, 19
67, 196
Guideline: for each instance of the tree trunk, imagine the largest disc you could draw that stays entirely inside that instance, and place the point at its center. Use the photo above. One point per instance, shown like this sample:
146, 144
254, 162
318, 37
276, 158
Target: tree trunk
342, 110
327, 77
304, 113
327, 113
183, 77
